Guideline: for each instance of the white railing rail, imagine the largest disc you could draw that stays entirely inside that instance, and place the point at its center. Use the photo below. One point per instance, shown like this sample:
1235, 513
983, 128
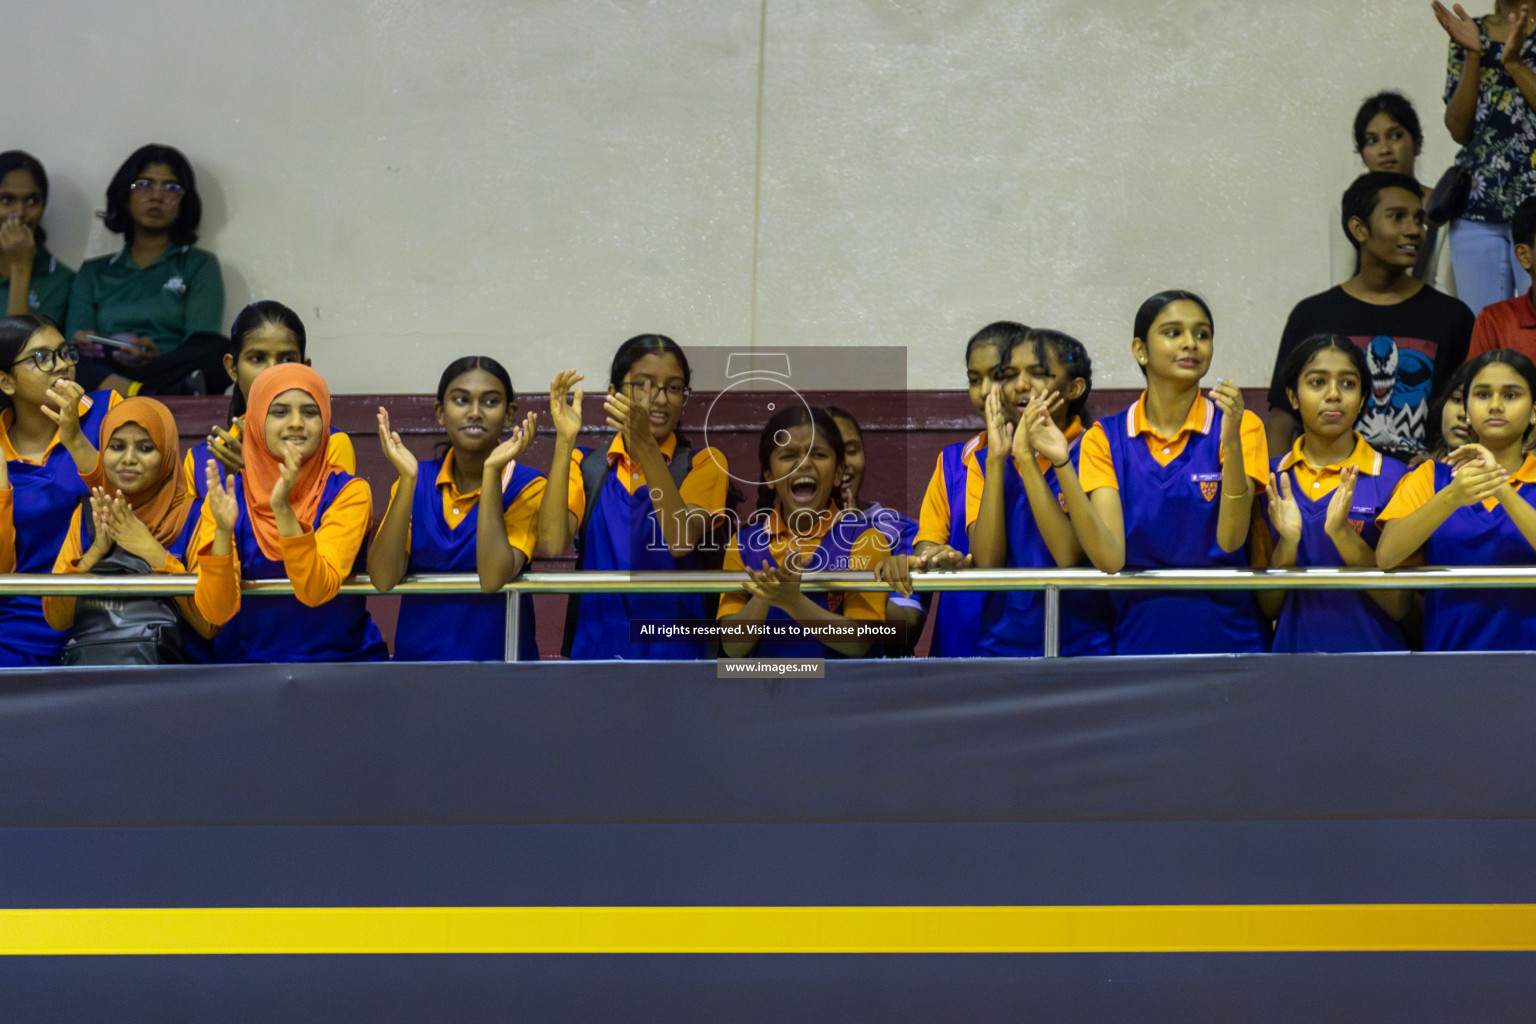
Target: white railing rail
1052, 581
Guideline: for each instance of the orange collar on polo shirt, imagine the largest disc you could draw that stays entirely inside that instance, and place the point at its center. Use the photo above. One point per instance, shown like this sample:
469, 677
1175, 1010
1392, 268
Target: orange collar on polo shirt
456, 506
780, 533
8, 418
1526, 474
1316, 481
628, 469
781, 538
1202, 416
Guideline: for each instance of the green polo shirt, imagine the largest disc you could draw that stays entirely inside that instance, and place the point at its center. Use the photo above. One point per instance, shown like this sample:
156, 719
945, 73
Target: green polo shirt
49, 293
179, 293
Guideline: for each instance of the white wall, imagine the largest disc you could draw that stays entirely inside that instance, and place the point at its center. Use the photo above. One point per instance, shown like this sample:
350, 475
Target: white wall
538, 180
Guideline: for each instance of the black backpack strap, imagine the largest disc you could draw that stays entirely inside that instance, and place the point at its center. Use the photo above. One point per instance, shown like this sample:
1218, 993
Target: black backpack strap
682, 462
594, 473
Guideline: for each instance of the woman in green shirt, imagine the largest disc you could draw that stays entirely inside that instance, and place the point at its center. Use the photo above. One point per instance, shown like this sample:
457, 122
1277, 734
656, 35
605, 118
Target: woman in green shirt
160, 294
31, 278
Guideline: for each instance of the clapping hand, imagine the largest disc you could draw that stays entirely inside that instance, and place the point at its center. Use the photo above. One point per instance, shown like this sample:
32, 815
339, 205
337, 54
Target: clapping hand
1229, 399
220, 500
1476, 477
778, 585
566, 416
1044, 435
1284, 510
395, 450
1460, 26
1337, 516
512, 447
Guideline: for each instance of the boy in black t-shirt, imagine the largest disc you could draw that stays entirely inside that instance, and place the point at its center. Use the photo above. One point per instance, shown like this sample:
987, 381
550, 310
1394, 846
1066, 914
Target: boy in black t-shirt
1413, 336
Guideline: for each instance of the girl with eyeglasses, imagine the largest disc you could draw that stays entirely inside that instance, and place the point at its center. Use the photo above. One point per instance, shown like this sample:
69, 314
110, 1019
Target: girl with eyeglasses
33, 279
49, 429
160, 294
646, 503
437, 521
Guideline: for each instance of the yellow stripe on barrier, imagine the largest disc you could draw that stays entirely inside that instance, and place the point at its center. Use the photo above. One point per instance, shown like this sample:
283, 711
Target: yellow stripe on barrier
1145, 929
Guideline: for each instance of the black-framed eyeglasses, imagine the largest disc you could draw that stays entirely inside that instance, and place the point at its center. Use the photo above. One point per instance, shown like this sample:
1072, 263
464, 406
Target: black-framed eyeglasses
171, 189
676, 394
45, 359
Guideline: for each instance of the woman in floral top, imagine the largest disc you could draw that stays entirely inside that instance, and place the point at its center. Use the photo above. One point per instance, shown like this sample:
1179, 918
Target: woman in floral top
1490, 92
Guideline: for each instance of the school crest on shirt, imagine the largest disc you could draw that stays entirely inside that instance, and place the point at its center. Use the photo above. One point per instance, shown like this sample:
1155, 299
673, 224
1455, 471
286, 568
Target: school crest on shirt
176, 286
1209, 483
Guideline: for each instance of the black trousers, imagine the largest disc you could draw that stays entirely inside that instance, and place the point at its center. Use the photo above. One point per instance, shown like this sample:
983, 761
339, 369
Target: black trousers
203, 351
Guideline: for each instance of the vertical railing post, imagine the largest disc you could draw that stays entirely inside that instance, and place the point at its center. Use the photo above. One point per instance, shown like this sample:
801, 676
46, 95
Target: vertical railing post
514, 623
1052, 621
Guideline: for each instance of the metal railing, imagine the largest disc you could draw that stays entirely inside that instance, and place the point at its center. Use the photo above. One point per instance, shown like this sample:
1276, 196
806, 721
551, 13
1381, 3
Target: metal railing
1051, 581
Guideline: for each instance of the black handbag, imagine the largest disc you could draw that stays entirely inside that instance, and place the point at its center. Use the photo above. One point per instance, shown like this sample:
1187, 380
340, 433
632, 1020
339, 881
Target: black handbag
1449, 198
123, 630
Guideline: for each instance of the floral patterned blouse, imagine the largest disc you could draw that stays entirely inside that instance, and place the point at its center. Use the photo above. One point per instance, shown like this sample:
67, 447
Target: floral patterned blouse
1499, 154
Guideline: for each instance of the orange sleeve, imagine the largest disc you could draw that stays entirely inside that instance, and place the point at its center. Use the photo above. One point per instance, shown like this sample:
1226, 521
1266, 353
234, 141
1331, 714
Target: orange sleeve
7, 530
1413, 492
187, 606
575, 492
867, 605
1255, 450
1095, 465
189, 473
97, 477
975, 482
217, 597
707, 481
60, 611
521, 518
319, 560
340, 453
735, 601
933, 520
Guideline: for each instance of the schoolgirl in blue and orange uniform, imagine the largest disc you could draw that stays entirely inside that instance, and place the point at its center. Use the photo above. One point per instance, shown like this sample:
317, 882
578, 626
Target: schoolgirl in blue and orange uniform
1475, 508
436, 522
650, 507
1170, 482
264, 334
300, 518
798, 528
49, 432
133, 526
1324, 497
942, 542
906, 610
1035, 419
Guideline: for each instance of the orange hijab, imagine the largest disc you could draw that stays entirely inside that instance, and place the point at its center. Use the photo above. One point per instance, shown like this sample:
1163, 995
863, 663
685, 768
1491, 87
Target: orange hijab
263, 469
163, 505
